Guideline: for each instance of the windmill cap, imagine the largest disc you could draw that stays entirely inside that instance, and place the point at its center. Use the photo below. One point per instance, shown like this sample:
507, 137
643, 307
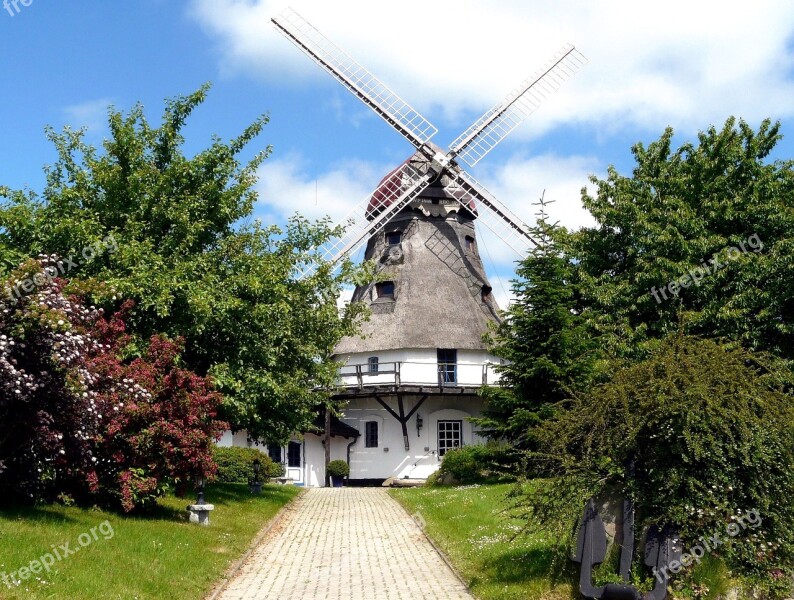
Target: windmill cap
391, 186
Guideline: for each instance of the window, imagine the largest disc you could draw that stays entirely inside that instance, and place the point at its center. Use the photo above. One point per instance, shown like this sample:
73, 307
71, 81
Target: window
450, 435
394, 237
385, 289
468, 242
372, 364
294, 454
486, 293
274, 452
371, 434
447, 366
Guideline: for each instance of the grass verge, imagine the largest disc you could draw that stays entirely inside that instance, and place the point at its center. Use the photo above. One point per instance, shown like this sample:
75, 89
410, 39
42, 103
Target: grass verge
469, 525
152, 556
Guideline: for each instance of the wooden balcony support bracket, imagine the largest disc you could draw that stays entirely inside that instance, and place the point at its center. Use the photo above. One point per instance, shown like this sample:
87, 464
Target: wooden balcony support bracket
401, 417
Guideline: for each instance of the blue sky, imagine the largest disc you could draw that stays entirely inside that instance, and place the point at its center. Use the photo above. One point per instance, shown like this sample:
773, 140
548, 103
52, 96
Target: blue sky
683, 64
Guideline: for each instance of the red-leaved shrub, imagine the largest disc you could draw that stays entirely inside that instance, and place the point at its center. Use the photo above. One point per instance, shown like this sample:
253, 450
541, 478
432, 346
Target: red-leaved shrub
78, 419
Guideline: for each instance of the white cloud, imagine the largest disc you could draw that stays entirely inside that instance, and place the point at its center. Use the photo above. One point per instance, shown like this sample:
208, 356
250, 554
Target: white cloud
520, 182
285, 187
91, 114
680, 63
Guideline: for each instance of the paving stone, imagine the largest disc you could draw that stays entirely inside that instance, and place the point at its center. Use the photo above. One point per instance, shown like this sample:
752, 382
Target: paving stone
336, 543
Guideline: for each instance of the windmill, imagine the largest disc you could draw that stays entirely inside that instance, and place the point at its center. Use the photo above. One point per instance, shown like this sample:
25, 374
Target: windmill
430, 165
422, 348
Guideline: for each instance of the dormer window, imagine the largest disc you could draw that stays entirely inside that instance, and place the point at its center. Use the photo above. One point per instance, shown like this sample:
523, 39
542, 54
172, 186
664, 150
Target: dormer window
384, 289
468, 242
394, 237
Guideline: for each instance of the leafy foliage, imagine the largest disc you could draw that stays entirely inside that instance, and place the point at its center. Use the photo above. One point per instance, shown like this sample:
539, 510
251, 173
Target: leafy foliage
236, 465
77, 419
192, 260
709, 436
679, 209
479, 463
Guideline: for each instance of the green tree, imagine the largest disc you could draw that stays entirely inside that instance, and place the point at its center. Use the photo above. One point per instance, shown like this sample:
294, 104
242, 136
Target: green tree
678, 210
186, 250
545, 340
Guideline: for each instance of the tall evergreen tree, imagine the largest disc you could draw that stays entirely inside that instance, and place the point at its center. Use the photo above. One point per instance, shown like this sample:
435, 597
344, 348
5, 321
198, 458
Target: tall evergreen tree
543, 338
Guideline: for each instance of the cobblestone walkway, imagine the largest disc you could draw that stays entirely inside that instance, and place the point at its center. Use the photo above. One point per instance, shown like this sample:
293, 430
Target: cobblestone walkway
355, 543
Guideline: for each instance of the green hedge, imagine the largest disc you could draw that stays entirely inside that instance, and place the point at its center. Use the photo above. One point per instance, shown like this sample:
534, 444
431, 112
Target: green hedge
236, 465
479, 464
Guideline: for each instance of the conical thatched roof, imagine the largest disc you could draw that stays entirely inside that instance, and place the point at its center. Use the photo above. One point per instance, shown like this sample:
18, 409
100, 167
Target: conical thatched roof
441, 294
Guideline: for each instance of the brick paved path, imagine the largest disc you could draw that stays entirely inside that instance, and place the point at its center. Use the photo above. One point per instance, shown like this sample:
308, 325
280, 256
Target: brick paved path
353, 543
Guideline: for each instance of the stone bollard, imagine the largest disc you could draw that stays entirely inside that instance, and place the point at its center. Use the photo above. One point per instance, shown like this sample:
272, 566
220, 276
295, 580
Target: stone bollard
200, 513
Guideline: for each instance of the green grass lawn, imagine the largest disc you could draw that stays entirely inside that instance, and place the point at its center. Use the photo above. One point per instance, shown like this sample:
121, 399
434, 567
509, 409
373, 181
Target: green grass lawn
468, 524
156, 556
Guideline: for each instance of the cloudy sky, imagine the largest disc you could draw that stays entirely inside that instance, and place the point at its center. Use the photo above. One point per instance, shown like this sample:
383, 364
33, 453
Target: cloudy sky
683, 64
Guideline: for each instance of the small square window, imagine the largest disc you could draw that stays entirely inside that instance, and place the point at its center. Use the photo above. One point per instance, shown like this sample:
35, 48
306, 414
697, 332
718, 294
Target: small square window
274, 452
385, 289
394, 237
371, 434
469, 243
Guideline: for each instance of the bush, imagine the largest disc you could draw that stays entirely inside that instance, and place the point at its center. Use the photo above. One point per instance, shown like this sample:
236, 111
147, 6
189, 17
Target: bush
338, 468
479, 464
710, 436
78, 419
236, 465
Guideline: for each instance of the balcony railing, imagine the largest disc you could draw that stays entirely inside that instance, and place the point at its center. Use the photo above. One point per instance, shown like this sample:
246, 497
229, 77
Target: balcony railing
402, 373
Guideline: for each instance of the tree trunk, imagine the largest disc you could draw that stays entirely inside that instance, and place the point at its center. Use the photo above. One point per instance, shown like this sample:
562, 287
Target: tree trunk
327, 445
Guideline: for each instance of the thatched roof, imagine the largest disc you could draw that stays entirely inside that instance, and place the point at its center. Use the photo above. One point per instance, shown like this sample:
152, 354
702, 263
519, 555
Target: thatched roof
439, 283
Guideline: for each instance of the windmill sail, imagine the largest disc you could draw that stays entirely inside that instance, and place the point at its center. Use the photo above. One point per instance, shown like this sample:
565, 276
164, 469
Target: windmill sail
499, 219
490, 129
363, 84
430, 163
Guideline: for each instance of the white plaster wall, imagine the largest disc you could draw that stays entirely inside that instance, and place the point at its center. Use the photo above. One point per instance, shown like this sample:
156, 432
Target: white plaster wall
390, 459
238, 439
314, 453
226, 440
315, 461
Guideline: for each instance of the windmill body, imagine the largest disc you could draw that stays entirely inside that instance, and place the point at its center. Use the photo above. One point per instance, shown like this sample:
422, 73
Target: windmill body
410, 380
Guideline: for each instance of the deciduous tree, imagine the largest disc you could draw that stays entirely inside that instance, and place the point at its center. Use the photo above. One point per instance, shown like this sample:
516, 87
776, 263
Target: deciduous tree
195, 264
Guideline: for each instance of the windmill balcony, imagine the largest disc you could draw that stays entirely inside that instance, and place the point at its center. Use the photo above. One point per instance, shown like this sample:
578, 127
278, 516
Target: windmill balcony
423, 374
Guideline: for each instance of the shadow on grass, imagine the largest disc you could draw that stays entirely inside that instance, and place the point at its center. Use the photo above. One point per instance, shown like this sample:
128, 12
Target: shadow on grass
219, 494
527, 566
42, 514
